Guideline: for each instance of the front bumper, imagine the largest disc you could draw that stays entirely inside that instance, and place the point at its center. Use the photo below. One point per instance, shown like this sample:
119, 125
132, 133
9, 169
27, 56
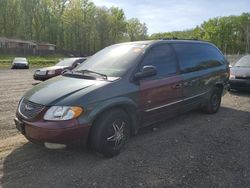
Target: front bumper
21, 66
239, 84
59, 132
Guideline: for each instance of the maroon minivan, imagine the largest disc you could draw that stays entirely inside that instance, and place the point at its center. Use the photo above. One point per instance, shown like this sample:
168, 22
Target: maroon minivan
64, 64
123, 88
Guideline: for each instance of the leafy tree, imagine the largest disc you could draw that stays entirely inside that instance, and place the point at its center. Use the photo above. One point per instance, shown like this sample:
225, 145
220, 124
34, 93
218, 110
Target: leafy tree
9, 17
136, 30
82, 27
117, 24
231, 33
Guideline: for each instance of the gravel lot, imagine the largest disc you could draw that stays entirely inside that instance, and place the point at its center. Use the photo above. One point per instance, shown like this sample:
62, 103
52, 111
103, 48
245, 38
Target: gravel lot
191, 150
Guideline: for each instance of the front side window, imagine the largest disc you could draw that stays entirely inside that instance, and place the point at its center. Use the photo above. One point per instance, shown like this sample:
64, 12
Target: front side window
163, 58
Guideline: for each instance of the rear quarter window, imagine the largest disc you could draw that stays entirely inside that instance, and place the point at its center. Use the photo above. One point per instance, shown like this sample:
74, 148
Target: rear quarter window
195, 57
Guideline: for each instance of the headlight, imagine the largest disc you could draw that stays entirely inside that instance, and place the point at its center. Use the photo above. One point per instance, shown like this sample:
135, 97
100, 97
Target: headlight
60, 113
51, 72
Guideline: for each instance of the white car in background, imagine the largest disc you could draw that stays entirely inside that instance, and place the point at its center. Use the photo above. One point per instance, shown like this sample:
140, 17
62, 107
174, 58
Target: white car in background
20, 62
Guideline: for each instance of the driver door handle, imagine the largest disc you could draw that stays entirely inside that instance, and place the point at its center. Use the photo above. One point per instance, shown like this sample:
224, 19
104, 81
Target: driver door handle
177, 86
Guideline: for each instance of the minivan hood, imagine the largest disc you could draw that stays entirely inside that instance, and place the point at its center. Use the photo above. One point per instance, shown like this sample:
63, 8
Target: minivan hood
20, 62
56, 89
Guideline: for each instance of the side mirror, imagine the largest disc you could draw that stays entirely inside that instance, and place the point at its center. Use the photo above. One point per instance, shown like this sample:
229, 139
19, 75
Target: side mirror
147, 71
77, 64
66, 71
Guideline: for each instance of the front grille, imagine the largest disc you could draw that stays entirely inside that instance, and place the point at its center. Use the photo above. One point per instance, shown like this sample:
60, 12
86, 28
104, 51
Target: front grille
29, 109
20, 64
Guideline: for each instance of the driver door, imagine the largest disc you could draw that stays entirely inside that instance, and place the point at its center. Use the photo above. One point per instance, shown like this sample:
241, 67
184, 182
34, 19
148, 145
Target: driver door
160, 95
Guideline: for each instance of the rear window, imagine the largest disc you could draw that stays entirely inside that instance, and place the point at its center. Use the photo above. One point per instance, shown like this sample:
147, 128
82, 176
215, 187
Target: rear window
195, 57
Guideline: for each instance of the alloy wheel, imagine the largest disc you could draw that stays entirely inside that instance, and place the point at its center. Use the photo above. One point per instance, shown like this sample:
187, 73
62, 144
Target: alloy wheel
118, 136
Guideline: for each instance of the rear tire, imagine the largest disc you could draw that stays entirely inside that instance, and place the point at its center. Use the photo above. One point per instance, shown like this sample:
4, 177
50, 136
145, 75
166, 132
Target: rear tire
110, 132
214, 101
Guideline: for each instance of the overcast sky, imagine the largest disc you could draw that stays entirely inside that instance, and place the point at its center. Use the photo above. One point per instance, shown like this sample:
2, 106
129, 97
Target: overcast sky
172, 15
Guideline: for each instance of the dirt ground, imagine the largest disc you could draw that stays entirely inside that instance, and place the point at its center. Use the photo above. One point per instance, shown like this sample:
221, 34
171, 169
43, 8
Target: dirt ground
191, 150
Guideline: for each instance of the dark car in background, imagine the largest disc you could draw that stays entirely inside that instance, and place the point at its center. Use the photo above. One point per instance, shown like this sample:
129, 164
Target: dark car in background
122, 88
20, 63
240, 74
64, 64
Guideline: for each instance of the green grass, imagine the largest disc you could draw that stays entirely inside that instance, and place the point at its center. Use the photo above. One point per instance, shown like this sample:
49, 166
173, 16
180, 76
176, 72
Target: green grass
34, 61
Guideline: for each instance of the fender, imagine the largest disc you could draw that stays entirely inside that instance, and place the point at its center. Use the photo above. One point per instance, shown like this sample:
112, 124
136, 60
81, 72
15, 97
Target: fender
131, 108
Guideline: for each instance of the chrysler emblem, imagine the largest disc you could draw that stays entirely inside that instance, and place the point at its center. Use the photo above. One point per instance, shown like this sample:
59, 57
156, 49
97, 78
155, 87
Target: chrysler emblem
28, 108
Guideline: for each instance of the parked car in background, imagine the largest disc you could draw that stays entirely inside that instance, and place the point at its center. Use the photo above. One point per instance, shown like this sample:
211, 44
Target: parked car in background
20, 63
122, 88
240, 74
64, 64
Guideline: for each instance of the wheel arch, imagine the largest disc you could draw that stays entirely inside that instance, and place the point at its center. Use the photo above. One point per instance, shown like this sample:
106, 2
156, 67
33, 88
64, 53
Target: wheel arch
127, 105
220, 85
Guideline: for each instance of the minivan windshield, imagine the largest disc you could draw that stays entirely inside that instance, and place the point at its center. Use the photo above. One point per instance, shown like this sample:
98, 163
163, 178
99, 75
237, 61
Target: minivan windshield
113, 61
243, 62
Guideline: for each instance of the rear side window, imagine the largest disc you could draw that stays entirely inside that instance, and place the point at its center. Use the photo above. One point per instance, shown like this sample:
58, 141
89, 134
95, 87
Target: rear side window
163, 58
195, 57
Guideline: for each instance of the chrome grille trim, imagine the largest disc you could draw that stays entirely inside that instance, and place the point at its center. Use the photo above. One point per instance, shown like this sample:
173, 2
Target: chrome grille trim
28, 109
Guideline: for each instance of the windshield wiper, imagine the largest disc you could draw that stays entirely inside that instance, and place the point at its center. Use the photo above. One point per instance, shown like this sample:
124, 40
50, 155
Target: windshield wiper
93, 72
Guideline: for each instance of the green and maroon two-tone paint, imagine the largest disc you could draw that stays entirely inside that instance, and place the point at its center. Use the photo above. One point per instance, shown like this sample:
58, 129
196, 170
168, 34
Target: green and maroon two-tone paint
148, 82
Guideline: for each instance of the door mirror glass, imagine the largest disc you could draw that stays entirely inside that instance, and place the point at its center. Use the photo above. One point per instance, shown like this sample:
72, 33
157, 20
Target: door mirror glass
77, 64
147, 71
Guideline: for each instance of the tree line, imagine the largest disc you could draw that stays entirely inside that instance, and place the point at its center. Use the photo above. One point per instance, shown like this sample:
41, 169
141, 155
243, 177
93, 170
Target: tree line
73, 25
83, 27
230, 33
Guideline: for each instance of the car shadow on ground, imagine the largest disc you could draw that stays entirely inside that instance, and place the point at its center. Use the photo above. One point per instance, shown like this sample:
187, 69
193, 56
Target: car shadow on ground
245, 93
192, 149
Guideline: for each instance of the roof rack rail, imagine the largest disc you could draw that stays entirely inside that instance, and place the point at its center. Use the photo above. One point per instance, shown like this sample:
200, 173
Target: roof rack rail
176, 38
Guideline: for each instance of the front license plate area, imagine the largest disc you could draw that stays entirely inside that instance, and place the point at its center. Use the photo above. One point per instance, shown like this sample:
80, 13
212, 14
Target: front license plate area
20, 125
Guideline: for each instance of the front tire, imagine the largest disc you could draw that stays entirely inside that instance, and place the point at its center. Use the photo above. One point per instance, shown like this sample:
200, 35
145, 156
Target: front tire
110, 132
214, 101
